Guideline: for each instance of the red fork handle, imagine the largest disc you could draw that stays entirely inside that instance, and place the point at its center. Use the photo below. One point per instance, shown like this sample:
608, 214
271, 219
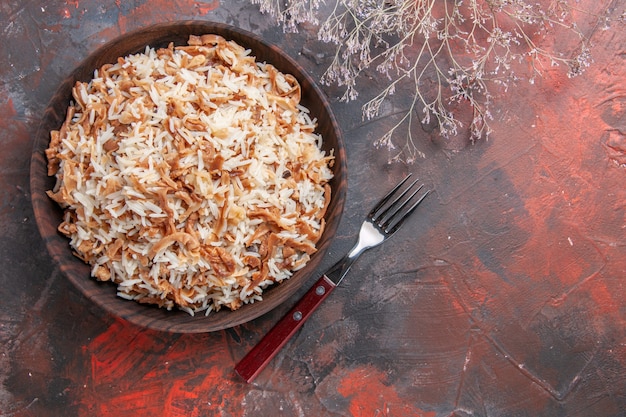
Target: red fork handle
260, 355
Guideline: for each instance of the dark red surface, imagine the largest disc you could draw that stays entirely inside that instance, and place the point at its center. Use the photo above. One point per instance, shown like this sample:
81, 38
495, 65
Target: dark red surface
503, 296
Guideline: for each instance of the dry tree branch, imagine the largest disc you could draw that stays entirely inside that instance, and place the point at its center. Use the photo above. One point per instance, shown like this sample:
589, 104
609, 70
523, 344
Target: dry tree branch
465, 46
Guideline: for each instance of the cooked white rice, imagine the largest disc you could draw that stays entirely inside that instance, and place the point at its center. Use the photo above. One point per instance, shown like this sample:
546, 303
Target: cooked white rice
190, 176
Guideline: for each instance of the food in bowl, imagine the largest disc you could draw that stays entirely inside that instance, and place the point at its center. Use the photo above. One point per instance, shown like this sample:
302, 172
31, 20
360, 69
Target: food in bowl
190, 176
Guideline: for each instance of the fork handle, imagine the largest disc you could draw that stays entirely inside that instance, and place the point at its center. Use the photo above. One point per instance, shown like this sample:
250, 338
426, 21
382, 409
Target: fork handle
256, 360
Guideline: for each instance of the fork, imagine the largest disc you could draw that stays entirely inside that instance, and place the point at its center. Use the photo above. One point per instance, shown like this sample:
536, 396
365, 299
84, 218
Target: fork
380, 224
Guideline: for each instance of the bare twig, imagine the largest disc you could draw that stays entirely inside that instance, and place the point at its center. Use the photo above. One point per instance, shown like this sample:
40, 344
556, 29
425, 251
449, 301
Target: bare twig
465, 46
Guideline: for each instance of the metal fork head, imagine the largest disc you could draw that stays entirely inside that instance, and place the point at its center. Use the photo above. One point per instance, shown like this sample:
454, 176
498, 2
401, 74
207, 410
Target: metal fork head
397, 205
381, 223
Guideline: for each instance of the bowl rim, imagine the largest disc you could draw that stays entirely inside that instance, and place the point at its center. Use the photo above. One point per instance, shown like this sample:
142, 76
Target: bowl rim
151, 316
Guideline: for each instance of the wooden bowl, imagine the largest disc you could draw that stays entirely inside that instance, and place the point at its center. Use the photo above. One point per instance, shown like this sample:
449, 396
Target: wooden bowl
48, 213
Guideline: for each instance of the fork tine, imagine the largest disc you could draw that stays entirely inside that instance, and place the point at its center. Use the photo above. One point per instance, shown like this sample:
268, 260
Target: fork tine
376, 211
389, 215
397, 204
395, 221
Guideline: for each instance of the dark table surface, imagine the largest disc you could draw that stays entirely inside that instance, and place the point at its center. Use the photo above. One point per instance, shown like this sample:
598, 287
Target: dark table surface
503, 296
